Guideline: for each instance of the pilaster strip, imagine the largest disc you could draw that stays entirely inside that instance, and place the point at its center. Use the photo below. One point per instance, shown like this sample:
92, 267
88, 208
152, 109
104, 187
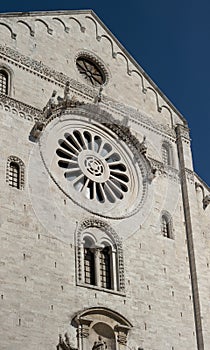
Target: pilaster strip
180, 130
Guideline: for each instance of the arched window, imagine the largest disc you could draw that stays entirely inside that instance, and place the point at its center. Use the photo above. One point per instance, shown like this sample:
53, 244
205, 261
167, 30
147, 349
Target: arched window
166, 154
4, 82
14, 175
99, 257
15, 172
166, 225
105, 267
89, 263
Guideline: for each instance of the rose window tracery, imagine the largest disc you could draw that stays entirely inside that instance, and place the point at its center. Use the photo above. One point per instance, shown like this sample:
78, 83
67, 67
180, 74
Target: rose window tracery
90, 71
93, 166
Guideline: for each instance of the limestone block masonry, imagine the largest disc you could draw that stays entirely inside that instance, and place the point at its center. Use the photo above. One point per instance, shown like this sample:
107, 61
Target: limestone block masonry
104, 226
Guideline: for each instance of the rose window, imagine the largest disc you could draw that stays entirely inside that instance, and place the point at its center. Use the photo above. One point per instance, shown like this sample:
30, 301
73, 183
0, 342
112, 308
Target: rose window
90, 71
93, 166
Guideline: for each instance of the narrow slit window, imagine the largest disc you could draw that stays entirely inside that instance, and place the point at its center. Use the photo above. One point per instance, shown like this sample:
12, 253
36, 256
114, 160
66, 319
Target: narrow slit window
165, 155
166, 226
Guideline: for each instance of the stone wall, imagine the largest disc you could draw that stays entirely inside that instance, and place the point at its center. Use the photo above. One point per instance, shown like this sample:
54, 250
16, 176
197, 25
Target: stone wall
40, 293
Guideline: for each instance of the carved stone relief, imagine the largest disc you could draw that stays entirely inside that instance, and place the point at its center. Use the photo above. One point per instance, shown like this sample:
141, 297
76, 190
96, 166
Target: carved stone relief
48, 73
106, 329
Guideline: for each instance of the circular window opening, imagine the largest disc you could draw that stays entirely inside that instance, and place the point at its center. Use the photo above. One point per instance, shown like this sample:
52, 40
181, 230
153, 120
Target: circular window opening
93, 166
90, 71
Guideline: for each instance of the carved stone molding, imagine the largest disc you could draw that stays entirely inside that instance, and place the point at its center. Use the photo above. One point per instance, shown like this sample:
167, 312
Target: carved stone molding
37, 67
122, 334
190, 176
84, 327
138, 163
103, 226
183, 132
116, 49
90, 317
19, 108
97, 60
166, 171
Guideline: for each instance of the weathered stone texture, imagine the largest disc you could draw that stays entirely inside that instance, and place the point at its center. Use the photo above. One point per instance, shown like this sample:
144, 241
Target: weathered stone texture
39, 224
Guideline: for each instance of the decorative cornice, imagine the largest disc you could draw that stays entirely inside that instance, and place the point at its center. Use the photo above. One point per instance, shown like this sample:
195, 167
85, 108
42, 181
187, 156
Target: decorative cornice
82, 90
203, 182
190, 175
165, 170
18, 108
116, 49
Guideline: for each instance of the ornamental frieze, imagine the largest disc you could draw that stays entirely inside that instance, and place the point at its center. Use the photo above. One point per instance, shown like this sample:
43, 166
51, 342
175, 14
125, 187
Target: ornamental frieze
80, 89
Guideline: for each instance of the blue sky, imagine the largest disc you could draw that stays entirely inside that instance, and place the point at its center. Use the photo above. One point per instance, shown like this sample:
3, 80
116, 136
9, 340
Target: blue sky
171, 41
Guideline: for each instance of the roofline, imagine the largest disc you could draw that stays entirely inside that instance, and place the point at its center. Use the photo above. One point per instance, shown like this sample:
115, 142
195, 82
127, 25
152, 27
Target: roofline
202, 181
89, 11
140, 68
43, 13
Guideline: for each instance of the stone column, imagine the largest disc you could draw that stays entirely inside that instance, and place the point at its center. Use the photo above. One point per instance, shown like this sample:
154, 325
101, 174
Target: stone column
113, 270
83, 334
97, 266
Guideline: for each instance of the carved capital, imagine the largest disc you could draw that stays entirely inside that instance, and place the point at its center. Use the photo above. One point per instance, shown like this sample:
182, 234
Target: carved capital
84, 328
183, 131
122, 333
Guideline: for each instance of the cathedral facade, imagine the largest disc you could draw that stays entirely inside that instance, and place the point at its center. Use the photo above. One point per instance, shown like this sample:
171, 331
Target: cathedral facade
105, 227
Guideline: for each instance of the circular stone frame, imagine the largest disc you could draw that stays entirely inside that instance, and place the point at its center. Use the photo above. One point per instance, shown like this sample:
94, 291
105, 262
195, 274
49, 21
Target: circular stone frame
83, 118
97, 62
